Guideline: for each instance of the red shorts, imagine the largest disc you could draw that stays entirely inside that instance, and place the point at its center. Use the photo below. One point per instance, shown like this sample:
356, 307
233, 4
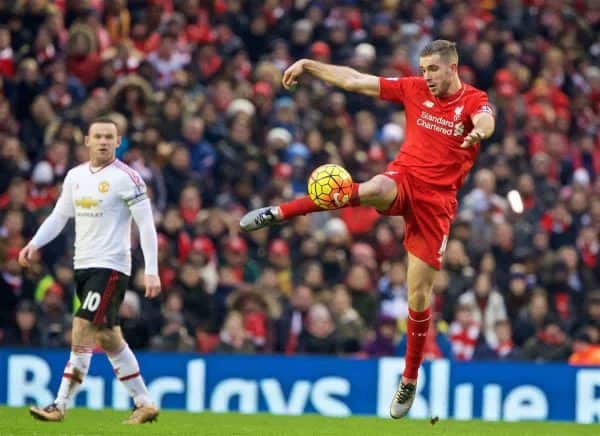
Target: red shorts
428, 212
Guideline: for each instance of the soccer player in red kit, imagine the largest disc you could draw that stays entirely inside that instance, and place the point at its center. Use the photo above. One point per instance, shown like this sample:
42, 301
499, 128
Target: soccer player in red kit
445, 122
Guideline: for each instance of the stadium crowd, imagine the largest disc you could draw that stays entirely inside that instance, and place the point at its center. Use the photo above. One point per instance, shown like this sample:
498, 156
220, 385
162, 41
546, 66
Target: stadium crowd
194, 87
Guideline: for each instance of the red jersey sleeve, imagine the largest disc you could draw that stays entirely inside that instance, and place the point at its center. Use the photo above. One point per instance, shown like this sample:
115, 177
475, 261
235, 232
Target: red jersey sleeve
393, 88
480, 104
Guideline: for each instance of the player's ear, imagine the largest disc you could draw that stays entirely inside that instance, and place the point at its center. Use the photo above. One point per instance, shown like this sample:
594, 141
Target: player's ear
119, 141
86, 140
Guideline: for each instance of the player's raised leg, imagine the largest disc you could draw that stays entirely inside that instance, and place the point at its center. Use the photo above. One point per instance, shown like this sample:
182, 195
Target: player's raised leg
420, 277
379, 192
127, 370
76, 369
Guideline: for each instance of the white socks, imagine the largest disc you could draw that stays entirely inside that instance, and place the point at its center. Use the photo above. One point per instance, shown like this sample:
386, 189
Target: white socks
128, 371
75, 371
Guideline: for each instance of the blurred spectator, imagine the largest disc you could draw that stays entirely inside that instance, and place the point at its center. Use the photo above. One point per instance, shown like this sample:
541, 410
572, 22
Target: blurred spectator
190, 204
202, 153
7, 60
291, 324
348, 323
11, 287
460, 276
361, 288
173, 335
235, 256
26, 332
384, 341
256, 317
134, 326
83, 60
279, 259
488, 306
550, 344
482, 202
584, 351
233, 338
464, 332
518, 291
168, 60
197, 302
394, 292
503, 349
591, 314
320, 335
202, 256
53, 318
532, 319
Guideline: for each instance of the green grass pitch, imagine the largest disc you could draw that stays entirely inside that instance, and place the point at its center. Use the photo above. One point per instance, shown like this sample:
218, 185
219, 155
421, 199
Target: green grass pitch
16, 421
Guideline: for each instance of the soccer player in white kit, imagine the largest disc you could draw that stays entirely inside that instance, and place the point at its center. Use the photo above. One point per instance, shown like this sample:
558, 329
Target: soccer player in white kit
102, 195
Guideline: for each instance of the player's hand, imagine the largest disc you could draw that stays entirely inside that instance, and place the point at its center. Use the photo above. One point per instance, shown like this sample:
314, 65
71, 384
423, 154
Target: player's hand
473, 138
290, 76
26, 255
152, 285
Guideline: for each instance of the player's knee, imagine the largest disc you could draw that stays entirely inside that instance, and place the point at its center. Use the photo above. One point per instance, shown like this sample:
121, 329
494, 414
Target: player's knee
380, 187
384, 186
107, 340
419, 294
418, 301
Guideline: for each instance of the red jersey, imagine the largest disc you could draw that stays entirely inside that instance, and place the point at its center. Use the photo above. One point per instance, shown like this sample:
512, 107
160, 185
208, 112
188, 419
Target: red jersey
435, 129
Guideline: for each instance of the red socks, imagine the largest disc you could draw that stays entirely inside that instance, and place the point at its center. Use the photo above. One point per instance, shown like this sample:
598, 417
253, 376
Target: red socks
417, 327
354, 199
304, 205
298, 206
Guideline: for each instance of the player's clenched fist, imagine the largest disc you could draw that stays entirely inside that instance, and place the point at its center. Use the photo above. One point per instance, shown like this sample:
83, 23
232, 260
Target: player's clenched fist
290, 76
152, 286
26, 255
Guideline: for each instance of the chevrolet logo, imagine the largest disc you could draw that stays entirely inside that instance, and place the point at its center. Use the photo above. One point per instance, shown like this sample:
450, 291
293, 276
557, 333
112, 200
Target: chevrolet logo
87, 203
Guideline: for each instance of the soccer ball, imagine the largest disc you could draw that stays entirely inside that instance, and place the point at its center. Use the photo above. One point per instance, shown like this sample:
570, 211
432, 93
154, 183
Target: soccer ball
330, 186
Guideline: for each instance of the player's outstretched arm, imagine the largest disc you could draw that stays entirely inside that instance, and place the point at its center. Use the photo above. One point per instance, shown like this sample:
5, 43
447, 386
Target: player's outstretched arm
343, 77
50, 229
483, 127
52, 225
142, 215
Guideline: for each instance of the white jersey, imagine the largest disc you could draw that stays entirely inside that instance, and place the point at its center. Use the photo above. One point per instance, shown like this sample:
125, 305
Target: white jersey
100, 201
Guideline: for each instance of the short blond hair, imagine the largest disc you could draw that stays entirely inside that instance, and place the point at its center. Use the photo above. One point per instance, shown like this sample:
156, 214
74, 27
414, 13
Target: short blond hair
446, 50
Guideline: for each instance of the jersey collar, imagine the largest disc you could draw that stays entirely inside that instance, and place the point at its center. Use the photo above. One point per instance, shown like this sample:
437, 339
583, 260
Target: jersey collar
451, 99
96, 171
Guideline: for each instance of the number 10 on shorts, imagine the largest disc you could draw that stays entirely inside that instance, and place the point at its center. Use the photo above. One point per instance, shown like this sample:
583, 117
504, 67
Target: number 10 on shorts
91, 302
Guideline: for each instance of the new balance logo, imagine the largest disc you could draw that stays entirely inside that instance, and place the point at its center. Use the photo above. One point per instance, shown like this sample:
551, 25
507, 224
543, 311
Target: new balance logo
336, 199
339, 202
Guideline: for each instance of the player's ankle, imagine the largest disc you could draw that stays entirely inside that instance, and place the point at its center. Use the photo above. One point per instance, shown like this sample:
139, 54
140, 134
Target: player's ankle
410, 381
61, 405
278, 213
143, 401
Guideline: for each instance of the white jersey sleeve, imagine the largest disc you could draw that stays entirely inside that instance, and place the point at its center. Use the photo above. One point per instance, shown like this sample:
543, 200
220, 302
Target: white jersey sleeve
133, 193
134, 190
142, 215
64, 205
